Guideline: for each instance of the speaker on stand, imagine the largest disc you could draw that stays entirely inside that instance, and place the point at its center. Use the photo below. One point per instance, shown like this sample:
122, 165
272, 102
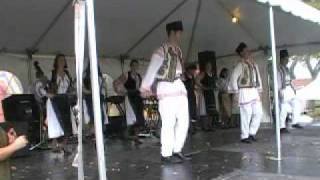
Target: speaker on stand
207, 56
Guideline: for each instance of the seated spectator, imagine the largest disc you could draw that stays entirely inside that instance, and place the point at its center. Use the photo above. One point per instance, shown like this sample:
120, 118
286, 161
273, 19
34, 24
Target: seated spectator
9, 144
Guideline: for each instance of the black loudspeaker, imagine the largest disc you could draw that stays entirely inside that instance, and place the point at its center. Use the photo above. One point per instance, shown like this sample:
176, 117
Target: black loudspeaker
23, 112
205, 57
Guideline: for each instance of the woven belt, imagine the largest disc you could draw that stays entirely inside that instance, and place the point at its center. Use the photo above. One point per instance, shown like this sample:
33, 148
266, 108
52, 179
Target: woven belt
163, 80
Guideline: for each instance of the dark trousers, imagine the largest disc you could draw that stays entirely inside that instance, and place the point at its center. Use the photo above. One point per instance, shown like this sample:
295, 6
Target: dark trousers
61, 107
136, 103
88, 100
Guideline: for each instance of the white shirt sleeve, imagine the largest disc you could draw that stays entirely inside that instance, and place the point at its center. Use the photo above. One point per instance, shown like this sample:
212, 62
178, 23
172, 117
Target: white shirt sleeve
40, 90
260, 88
43, 92
155, 64
233, 81
279, 79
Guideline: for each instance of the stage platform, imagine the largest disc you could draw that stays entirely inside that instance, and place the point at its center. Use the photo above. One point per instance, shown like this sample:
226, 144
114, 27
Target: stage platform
216, 155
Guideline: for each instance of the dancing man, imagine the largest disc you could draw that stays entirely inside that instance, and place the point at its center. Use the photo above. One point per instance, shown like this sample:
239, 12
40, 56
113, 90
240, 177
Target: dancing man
245, 85
128, 84
165, 69
288, 102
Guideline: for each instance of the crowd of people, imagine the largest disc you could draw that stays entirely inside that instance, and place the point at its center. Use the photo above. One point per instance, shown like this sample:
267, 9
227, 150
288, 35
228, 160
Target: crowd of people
189, 98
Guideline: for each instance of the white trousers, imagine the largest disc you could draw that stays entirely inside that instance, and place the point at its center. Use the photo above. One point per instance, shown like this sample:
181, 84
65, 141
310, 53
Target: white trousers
175, 123
291, 106
175, 118
251, 115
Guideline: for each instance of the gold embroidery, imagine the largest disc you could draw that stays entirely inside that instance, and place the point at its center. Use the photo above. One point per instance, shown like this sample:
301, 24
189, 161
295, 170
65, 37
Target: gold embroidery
167, 71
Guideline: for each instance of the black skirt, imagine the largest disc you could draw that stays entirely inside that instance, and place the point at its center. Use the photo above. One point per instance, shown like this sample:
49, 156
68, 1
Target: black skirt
61, 107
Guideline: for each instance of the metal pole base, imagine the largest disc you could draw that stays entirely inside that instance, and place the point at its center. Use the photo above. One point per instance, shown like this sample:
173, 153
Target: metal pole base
272, 158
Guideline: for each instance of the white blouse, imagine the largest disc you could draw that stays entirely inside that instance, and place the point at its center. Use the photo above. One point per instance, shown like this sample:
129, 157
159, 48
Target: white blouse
63, 83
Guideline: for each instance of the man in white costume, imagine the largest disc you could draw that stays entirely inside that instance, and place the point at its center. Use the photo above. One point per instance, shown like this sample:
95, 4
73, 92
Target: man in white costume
288, 101
245, 85
166, 69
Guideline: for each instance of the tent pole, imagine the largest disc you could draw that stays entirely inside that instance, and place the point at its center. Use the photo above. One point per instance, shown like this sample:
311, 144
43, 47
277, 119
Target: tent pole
154, 27
195, 23
95, 90
53, 22
29, 64
79, 39
275, 81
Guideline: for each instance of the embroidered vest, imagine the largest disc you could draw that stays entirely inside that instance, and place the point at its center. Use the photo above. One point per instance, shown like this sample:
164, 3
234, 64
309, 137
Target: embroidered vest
168, 69
285, 76
249, 77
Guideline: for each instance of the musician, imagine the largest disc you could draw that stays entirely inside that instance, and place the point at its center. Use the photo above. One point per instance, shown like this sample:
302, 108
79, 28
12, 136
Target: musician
41, 85
287, 96
88, 96
245, 85
225, 103
166, 69
190, 83
207, 80
128, 84
58, 107
40, 92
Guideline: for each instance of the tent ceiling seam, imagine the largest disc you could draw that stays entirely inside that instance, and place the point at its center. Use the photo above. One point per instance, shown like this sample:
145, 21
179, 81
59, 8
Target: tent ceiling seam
194, 27
154, 27
50, 26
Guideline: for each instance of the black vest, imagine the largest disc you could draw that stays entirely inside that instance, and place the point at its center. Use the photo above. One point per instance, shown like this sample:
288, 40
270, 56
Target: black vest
209, 81
131, 83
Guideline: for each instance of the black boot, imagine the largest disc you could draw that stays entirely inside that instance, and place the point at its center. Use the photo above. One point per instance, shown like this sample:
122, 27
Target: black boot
252, 138
181, 156
246, 141
297, 126
170, 160
284, 131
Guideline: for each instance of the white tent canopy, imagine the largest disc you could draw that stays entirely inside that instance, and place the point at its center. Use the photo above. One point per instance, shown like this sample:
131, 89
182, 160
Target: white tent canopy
47, 26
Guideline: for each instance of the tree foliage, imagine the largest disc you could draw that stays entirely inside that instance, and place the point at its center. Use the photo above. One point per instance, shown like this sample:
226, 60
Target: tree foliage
314, 3
314, 70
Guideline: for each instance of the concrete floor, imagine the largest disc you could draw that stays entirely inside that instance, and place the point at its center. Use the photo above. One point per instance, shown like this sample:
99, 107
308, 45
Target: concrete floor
216, 155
